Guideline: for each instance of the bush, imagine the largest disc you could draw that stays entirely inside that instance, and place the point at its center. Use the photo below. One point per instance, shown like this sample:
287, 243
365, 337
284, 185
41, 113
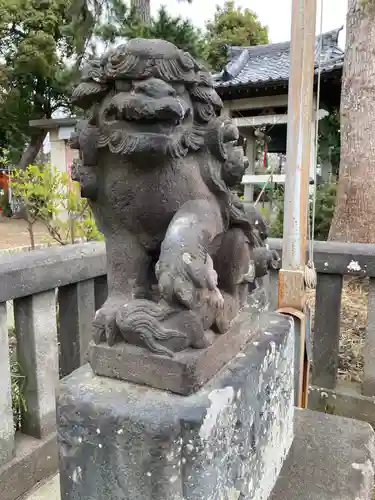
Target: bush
4, 203
50, 197
324, 209
18, 393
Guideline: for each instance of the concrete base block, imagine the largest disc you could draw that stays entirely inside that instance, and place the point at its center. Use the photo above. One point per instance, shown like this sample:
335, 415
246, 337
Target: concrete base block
35, 459
332, 458
228, 441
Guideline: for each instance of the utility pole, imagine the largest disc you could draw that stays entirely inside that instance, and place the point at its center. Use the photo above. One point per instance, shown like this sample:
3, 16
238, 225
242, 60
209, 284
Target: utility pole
292, 291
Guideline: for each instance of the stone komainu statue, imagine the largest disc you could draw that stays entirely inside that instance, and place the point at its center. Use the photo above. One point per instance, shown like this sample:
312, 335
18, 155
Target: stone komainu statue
157, 163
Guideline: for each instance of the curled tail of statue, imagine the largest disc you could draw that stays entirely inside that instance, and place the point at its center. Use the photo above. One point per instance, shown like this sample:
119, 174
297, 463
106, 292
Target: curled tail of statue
144, 318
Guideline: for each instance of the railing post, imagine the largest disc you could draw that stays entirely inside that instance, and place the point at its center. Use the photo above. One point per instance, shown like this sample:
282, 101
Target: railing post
101, 291
368, 385
6, 414
76, 313
327, 330
37, 352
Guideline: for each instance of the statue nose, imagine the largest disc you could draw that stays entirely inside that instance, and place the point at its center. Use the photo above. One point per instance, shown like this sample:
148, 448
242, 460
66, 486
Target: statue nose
153, 87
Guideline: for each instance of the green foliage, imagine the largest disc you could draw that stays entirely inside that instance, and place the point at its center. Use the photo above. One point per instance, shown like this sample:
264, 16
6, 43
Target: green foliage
232, 26
18, 386
4, 203
276, 226
49, 197
330, 140
18, 382
42, 43
324, 209
125, 23
31, 36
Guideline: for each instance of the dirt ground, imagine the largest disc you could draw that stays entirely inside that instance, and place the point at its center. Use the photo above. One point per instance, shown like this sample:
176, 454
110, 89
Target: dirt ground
14, 233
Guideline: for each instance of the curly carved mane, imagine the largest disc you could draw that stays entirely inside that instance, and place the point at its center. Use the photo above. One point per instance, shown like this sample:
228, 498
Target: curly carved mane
214, 137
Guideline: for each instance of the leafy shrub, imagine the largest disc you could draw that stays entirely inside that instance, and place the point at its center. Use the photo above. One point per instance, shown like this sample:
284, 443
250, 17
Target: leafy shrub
4, 203
50, 197
18, 380
324, 209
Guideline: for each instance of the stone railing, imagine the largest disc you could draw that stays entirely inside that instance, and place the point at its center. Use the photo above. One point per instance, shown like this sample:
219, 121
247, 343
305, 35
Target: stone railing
55, 293
333, 261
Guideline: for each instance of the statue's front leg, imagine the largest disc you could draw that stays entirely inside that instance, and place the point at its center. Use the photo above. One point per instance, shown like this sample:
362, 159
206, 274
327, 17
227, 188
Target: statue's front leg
128, 264
185, 269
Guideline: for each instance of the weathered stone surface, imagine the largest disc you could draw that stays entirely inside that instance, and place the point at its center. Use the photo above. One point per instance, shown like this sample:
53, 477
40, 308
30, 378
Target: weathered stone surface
35, 459
332, 458
188, 370
228, 441
37, 352
6, 414
345, 401
26, 273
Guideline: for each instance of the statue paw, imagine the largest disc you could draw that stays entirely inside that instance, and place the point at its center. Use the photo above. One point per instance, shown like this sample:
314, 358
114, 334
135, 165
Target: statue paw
104, 324
216, 299
185, 277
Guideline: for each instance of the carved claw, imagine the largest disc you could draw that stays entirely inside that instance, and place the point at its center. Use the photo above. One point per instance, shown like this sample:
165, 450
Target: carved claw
185, 276
104, 324
216, 299
201, 343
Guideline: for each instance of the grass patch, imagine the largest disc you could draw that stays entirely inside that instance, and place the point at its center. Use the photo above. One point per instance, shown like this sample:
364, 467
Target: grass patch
18, 382
353, 324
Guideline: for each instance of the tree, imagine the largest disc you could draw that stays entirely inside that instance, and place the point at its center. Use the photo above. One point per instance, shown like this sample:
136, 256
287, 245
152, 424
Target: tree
49, 197
33, 83
176, 30
354, 218
42, 43
142, 9
232, 26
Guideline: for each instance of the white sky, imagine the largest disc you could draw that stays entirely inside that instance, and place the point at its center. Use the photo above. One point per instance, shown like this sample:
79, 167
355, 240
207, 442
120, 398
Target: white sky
276, 14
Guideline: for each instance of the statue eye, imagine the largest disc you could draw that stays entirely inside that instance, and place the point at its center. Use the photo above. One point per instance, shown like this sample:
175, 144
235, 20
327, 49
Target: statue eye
124, 85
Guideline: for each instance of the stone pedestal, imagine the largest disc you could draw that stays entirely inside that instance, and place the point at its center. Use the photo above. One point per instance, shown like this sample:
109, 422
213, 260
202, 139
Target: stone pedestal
228, 441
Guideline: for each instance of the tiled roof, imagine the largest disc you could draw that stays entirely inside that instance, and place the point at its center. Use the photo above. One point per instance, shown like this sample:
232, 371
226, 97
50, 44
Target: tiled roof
262, 64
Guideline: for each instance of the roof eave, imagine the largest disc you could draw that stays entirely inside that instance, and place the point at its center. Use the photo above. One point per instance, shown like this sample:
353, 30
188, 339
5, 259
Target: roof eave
261, 85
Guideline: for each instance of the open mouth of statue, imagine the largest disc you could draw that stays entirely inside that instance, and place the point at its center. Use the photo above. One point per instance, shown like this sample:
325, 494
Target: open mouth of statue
147, 114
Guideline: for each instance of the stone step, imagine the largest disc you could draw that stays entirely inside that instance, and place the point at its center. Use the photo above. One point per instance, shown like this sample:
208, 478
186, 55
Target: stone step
48, 489
332, 458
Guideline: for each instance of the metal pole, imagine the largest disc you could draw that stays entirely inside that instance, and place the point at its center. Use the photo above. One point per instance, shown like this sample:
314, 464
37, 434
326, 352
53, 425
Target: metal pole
300, 117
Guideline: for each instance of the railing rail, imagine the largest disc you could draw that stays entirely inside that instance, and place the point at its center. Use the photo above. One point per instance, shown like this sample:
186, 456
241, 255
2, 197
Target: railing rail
333, 261
26, 273
56, 291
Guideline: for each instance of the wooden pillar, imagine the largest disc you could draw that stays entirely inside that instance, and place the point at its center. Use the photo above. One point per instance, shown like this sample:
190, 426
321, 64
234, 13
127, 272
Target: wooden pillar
300, 117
